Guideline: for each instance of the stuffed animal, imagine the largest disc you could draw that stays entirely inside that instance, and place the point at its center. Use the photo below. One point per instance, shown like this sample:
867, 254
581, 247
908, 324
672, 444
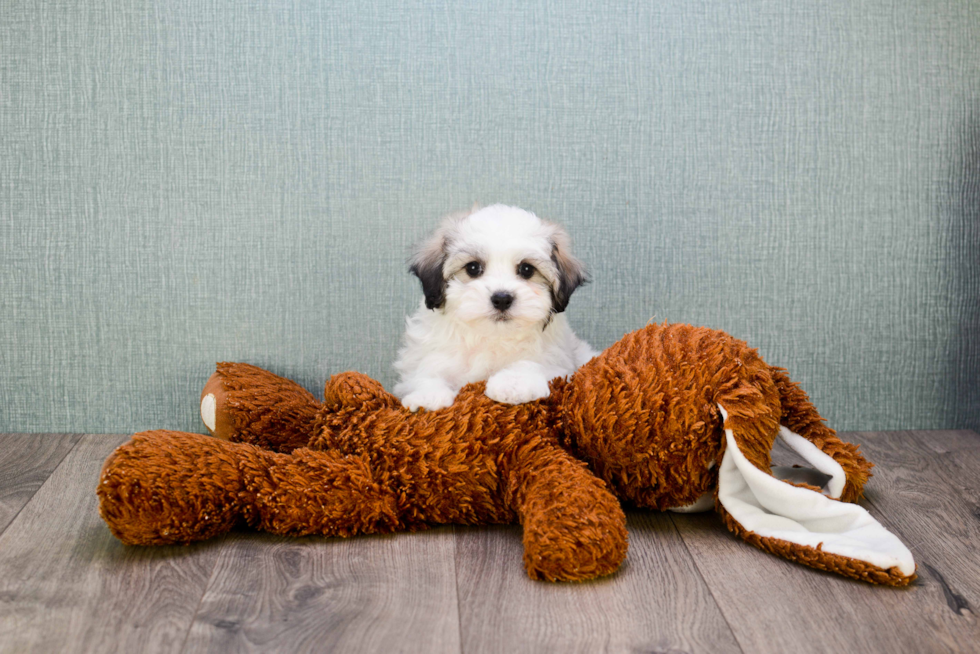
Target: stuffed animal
670, 417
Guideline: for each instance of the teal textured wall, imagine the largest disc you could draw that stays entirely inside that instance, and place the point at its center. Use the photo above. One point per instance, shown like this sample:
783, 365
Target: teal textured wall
184, 182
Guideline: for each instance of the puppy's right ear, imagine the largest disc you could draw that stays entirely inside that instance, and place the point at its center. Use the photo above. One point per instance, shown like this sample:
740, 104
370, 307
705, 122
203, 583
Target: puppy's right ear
426, 264
427, 261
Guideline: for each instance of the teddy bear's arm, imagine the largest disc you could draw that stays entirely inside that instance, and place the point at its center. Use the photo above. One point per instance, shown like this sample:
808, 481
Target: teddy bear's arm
246, 404
574, 528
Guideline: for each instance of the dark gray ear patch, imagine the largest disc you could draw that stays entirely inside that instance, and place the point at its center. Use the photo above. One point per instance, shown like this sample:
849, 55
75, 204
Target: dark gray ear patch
427, 261
568, 281
571, 275
429, 272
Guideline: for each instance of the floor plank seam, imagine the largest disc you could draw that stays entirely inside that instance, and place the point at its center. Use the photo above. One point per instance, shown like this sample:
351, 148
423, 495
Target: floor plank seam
78, 438
879, 515
953, 600
200, 601
704, 580
459, 612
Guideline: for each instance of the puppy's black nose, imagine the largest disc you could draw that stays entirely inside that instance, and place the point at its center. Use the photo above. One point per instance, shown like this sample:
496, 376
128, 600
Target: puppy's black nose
501, 301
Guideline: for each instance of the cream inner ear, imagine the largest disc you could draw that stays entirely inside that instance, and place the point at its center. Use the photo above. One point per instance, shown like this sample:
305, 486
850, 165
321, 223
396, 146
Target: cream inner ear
818, 459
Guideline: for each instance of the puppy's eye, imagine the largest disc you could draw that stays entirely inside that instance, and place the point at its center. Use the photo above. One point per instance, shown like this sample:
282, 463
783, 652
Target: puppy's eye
525, 270
474, 269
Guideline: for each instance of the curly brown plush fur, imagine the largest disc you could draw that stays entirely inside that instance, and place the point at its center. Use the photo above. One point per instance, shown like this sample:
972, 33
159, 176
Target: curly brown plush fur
641, 420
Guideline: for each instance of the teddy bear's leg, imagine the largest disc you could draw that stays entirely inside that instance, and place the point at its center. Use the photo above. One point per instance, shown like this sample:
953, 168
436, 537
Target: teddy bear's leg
172, 487
574, 528
801, 419
321, 492
164, 487
244, 403
358, 391
342, 394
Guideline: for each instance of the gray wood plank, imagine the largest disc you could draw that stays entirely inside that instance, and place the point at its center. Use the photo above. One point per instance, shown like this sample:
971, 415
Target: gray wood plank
67, 585
365, 594
775, 606
656, 602
26, 460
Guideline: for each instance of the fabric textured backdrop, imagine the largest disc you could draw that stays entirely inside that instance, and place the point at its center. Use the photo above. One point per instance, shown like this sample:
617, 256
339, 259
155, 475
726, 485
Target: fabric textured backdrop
185, 182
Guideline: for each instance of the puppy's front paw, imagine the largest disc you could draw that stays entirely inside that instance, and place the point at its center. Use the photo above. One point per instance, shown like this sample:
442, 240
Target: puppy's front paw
513, 387
429, 399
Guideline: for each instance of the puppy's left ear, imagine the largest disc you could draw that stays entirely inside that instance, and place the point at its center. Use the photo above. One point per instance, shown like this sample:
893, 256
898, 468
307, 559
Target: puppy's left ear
571, 271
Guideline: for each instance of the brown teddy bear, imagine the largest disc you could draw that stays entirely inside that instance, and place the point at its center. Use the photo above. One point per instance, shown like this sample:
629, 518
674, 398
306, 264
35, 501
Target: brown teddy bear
670, 417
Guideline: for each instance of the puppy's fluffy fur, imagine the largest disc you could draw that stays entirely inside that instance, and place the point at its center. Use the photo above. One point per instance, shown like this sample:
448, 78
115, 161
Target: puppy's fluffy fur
496, 282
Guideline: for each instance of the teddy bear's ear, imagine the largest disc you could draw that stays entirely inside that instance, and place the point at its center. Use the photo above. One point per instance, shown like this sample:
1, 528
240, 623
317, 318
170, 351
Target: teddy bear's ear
802, 524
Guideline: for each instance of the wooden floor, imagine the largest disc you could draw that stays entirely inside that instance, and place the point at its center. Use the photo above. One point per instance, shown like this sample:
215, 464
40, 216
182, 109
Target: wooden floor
688, 586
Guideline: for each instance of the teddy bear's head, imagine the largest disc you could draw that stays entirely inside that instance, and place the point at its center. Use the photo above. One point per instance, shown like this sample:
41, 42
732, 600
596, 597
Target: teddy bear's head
615, 414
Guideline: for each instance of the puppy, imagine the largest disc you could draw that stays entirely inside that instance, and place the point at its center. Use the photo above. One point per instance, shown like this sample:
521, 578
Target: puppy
496, 283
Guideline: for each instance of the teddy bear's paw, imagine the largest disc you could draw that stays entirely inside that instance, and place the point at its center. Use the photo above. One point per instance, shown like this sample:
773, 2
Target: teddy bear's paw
208, 404
212, 409
430, 399
585, 553
517, 387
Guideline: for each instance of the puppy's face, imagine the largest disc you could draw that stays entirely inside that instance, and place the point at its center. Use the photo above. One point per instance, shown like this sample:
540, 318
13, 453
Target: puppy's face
498, 265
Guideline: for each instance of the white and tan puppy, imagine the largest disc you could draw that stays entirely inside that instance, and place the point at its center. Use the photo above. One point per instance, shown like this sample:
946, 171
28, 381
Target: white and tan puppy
496, 282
